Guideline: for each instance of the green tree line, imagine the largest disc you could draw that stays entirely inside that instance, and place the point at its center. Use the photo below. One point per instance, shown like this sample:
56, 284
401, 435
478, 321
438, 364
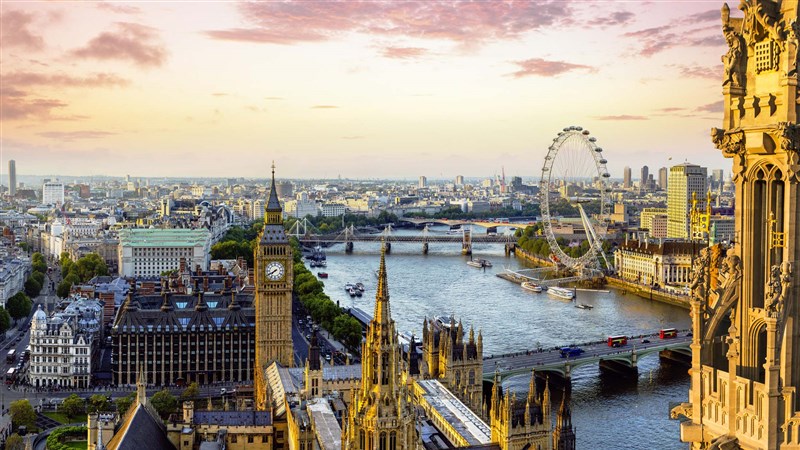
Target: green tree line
80, 271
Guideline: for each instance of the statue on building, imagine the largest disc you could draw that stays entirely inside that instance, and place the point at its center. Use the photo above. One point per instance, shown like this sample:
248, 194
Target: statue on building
732, 60
733, 338
699, 284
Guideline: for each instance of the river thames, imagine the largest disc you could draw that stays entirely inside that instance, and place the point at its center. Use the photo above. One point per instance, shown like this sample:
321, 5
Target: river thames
608, 412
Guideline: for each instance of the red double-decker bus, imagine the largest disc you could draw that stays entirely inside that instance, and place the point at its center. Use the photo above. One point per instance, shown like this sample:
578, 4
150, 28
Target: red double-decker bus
668, 333
617, 341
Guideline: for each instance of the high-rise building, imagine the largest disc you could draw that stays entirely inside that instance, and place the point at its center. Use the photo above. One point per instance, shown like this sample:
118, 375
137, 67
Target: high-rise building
716, 178
645, 173
423, 182
459, 180
274, 278
53, 193
745, 307
626, 178
12, 177
685, 180
663, 176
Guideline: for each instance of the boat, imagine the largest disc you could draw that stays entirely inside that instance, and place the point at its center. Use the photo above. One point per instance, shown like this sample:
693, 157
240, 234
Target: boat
358, 292
314, 263
348, 286
583, 306
322, 263
360, 286
322, 274
352, 292
531, 286
479, 263
377, 273
562, 293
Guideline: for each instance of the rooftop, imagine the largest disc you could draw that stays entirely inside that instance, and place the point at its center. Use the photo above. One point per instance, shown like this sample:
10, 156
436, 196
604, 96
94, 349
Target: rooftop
466, 423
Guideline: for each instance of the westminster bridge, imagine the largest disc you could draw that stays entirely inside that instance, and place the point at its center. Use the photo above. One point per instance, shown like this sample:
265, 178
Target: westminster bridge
622, 359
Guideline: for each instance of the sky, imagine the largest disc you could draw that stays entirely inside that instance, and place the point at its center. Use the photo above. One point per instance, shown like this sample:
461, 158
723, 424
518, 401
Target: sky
357, 89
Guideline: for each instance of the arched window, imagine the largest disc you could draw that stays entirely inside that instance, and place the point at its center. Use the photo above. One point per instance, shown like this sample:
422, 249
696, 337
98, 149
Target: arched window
471, 377
393, 440
382, 441
361, 440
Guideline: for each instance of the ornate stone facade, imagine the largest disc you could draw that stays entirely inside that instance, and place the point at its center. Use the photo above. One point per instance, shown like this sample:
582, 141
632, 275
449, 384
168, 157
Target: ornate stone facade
380, 416
745, 309
274, 276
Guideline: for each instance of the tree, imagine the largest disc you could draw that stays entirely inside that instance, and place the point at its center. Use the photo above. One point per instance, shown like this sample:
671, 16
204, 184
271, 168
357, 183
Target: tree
63, 289
38, 263
164, 402
22, 414
5, 320
73, 406
124, 403
15, 442
32, 287
191, 392
19, 306
98, 403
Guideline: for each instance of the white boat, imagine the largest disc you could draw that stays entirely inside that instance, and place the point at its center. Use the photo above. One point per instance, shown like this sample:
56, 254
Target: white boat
479, 263
583, 306
566, 294
531, 286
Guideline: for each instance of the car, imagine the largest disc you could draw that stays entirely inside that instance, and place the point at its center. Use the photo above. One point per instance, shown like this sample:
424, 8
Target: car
308, 336
327, 357
689, 334
645, 341
300, 322
223, 391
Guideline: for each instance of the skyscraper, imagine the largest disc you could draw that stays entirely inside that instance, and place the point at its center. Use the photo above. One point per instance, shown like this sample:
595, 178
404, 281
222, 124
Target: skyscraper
643, 178
459, 180
663, 174
684, 180
12, 177
626, 178
716, 178
53, 193
423, 182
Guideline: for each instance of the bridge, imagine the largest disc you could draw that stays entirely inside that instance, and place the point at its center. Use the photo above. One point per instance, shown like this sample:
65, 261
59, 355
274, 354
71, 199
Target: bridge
456, 223
619, 359
350, 235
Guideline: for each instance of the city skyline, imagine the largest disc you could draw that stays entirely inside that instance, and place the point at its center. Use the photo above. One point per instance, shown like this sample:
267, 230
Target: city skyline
351, 89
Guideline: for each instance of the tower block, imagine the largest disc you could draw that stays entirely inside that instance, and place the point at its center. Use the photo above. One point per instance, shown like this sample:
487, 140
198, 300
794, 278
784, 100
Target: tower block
745, 376
274, 280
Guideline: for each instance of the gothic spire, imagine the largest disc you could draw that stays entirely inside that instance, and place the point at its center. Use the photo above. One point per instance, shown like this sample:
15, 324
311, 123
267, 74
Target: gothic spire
382, 312
273, 204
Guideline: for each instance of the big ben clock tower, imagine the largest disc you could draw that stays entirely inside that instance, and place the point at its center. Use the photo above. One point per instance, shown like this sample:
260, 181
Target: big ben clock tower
274, 280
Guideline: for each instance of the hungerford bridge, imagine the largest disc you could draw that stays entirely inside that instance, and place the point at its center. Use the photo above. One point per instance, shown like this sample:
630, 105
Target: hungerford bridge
351, 234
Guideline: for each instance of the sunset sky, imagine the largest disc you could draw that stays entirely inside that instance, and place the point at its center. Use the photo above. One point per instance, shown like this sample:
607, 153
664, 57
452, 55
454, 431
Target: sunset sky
354, 88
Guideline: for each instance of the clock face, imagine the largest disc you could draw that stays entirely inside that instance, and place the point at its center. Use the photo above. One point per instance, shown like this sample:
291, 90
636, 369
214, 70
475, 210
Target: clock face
275, 271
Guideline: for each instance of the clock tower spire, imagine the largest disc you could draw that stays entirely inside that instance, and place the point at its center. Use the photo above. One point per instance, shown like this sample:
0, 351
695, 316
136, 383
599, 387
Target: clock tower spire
274, 281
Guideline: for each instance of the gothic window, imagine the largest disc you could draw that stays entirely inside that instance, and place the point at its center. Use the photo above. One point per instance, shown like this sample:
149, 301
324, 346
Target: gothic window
361, 439
393, 440
458, 377
374, 368
471, 377
382, 441
385, 369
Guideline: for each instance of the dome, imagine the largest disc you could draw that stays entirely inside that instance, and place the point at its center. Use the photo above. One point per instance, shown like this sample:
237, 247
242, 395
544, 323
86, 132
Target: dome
39, 315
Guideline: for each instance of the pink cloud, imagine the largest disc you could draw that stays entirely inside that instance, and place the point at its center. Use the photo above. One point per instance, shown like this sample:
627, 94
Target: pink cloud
15, 107
69, 136
129, 41
621, 117
714, 73
119, 8
715, 107
677, 34
614, 19
544, 68
63, 80
459, 21
14, 31
403, 52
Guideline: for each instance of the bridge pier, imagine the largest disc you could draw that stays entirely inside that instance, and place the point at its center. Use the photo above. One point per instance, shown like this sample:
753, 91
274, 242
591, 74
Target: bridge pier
675, 357
425, 248
511, 249
388, 247
348, 247
619, 367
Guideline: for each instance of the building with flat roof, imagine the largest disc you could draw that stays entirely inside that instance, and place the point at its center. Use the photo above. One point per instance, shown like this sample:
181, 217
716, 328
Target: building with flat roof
144, 252
684, 180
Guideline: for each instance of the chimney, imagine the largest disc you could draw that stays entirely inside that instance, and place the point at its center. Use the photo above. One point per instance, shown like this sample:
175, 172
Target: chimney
197, 269
183, 265
205, 284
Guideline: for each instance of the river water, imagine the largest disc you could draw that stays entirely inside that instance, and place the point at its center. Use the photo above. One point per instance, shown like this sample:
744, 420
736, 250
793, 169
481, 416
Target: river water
608, 412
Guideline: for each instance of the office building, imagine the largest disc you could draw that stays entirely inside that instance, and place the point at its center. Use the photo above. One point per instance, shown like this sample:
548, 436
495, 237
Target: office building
663, 176
685, 180
148, 252
12, 177
423, 182
626, 178
53, 193
644, 178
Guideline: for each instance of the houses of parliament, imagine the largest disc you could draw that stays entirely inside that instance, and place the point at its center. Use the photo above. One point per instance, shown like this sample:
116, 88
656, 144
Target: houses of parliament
745, 374
402, 396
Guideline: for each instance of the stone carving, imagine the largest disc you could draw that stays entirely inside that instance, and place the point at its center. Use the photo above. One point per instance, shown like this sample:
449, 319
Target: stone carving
732, 60
733, 338
790, 143
684, 409
760, 22
731, 143
780, 282
699, 284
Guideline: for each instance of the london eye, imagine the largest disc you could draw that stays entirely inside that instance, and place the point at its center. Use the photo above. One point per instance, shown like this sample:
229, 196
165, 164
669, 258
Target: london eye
574, 176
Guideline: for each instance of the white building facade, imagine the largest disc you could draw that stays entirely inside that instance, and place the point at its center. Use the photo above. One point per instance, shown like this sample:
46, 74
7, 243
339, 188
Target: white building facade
53, 193
149, 252
63, 346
